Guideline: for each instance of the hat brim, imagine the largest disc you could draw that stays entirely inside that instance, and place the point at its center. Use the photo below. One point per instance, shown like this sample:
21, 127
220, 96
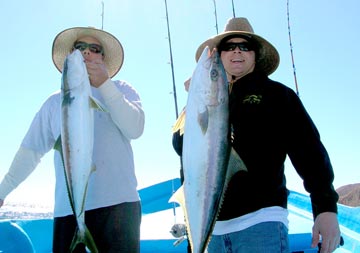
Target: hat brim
267, 59
113, 50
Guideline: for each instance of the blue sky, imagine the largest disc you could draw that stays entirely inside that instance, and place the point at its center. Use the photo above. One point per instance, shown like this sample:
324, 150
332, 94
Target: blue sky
324, 33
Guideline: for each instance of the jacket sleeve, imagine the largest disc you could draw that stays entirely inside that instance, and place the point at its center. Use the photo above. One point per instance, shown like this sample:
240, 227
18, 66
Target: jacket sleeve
310, 158
177, 142
178, 132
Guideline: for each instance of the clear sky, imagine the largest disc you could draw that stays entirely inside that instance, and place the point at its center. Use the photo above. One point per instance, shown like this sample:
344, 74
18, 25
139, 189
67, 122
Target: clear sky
325, 35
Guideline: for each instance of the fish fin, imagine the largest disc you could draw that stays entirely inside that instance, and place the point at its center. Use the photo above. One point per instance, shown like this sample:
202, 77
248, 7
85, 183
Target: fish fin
89, 241
86, 239
235, 164
93, 168
96, 104
179, 123
57, 145
178, 196
203, 120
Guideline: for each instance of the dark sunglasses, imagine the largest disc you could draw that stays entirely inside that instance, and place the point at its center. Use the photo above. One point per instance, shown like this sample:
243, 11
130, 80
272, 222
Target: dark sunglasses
94, 48
231, 46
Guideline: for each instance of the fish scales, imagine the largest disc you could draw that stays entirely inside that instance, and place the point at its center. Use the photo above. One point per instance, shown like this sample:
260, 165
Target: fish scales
206, 148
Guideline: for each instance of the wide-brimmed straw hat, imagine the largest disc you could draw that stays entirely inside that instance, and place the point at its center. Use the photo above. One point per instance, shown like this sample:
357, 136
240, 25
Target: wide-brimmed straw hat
267, 59
113, 50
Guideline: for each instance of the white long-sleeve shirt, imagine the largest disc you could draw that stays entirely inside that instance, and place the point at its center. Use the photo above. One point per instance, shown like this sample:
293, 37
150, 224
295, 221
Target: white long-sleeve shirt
114, 180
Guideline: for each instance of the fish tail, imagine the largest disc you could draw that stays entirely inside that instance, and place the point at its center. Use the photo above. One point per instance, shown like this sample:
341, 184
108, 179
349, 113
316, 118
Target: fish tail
86, 239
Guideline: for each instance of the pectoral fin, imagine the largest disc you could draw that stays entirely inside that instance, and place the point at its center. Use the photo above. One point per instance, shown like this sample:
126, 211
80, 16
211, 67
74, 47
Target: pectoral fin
96, 104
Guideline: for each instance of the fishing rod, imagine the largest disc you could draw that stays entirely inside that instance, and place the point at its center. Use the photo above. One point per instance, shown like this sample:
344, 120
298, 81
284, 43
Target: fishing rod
215, 12
174, 92
233, 8
102, 16
291, 50
216, 22
171, 63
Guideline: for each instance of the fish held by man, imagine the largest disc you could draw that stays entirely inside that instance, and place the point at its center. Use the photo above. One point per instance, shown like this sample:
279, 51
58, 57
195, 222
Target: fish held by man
206, 150
76, 141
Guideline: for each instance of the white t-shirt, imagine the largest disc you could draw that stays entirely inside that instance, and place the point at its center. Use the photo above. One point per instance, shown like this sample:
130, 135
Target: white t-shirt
114, 180
274, 213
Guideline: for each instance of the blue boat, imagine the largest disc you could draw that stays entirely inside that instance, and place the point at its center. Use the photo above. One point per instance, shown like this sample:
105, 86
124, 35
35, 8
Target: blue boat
35, 235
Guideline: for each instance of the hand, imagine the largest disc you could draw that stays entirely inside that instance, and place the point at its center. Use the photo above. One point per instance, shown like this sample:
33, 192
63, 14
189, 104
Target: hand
97, 72
326, 225
1, 202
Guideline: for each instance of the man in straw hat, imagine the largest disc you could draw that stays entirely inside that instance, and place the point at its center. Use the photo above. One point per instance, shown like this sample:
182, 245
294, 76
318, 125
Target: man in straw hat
268, 123
113, 210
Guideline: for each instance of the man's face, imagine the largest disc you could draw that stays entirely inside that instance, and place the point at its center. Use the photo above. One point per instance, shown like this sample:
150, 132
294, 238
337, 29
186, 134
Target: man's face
238, 60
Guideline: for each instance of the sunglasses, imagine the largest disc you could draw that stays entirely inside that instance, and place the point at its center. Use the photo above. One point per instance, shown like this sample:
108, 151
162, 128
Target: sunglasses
94, 48
231, 46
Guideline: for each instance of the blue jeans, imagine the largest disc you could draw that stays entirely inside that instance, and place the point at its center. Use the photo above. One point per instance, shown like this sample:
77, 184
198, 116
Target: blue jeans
262, 238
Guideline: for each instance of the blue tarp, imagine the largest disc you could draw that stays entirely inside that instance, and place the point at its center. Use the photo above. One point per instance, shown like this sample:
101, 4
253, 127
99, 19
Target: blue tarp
156, 197
30, 236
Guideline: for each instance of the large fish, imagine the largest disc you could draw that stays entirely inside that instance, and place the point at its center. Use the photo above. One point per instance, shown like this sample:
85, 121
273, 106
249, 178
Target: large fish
208, 159
76, 141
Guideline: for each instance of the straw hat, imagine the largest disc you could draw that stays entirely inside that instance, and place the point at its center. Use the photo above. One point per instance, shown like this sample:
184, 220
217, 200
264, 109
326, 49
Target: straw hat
113, 50
267, 56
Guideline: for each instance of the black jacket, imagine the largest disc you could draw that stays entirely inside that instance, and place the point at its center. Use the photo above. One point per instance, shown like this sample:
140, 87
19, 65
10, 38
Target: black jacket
268, 123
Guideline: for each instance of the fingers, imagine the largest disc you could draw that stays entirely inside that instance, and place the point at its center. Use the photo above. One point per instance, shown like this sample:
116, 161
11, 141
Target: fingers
97, 72
327, 245
326, 225
315, 240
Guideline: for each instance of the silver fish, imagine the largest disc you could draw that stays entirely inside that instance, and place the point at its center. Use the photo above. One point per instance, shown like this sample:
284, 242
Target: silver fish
76, 141
206, 149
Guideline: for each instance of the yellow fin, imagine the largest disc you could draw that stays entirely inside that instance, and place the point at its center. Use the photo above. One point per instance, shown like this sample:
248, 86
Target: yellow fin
96, 104
179, 123
178, 196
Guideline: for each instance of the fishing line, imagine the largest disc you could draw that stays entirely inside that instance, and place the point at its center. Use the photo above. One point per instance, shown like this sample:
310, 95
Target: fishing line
291, 50
174, 204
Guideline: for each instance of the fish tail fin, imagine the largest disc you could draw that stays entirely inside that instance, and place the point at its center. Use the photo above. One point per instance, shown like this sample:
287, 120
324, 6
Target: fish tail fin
86, 239
89, 241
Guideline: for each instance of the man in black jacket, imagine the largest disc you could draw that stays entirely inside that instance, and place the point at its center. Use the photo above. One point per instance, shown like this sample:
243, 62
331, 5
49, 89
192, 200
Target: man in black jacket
268, 123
